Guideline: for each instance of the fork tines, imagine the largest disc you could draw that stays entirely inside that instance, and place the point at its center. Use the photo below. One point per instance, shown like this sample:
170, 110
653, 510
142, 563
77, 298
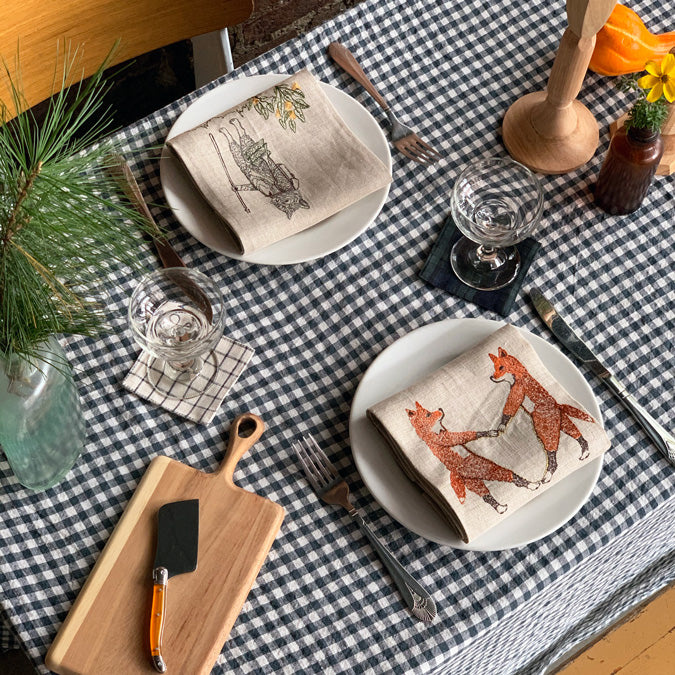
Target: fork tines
318, 468
413, 147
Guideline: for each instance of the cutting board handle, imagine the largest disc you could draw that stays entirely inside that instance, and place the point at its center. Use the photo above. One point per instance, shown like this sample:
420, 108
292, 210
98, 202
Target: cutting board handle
244, 432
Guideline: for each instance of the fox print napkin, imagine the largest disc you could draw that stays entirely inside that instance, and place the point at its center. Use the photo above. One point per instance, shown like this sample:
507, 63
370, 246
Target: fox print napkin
488, 432
278, 163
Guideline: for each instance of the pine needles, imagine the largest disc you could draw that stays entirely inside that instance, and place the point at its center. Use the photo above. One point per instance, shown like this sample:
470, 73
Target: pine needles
63, 224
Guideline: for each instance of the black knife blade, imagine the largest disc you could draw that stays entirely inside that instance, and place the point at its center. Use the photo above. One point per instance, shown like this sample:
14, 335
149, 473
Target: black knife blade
178, 537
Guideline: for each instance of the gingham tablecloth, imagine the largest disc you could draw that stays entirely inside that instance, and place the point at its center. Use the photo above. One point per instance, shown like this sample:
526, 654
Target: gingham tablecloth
322, 602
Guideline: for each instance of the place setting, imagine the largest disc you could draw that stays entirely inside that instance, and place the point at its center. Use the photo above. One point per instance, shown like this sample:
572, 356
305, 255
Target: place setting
279, 216
325, 454
178, 315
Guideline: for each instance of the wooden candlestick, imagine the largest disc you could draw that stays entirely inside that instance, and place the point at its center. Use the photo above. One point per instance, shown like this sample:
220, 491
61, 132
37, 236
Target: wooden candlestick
551, 132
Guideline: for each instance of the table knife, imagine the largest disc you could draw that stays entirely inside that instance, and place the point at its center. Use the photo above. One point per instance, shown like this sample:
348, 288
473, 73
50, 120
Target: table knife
177, 549
664, 440
121, 172
125, 179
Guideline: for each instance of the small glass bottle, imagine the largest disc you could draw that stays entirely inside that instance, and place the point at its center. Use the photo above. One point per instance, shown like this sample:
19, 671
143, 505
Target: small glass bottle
41, 422
628, 169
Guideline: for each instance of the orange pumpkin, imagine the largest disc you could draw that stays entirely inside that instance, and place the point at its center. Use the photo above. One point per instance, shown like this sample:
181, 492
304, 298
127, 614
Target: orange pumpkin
624, 44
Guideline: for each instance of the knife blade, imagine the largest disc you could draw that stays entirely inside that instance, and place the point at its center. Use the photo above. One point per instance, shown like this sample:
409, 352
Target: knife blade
177, 553
663, 440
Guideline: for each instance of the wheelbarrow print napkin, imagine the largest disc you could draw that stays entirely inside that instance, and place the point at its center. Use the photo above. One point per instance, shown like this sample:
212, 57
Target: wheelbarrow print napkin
278, 163
488, 432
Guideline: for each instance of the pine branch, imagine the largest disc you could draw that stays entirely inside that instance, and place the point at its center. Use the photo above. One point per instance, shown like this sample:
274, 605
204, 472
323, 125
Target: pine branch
64, 224
12, 224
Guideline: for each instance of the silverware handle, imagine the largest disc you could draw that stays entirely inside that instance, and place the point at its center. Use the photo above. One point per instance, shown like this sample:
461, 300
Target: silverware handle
346, 60
160, 578
418, 600
126, 180
121, 172
663, 439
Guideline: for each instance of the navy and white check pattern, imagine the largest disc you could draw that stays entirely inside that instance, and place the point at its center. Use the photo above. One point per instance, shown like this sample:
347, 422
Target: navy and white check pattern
322, 602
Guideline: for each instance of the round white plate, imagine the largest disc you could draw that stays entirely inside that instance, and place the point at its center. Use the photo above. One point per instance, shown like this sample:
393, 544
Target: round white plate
329, 235
408, 360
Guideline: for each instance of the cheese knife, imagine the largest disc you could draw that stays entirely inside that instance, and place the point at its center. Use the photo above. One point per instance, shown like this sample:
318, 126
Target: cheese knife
663, 440
177, 549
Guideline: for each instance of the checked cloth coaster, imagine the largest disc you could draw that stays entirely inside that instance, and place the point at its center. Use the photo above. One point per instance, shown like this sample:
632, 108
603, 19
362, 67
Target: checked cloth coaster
502, 611
228, 362
438, 272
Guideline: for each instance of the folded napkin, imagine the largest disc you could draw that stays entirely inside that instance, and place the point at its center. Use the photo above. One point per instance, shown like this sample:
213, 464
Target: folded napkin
488, 432
438, 272
278, 163
221, 370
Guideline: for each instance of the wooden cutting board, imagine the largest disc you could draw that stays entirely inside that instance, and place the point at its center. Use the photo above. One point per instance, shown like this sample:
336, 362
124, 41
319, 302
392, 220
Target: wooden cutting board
107, 629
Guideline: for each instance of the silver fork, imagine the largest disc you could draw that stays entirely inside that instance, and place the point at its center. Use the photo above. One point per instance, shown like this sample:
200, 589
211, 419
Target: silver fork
332, 489
404, 139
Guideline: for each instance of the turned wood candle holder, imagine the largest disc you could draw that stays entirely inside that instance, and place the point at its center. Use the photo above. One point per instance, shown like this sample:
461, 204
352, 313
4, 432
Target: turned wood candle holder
550, 131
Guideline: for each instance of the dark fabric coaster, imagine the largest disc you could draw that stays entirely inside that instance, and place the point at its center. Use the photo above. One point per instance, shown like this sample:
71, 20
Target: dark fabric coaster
438, 272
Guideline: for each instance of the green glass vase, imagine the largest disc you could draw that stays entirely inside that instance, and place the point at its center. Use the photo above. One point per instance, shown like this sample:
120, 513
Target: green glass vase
41, 422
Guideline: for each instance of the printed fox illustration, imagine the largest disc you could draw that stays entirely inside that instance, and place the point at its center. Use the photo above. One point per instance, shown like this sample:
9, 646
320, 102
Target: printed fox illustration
549, 417
466, 471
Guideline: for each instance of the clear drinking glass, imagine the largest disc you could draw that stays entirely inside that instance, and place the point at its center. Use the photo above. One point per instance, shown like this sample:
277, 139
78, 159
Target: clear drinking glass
495, 204
177, 315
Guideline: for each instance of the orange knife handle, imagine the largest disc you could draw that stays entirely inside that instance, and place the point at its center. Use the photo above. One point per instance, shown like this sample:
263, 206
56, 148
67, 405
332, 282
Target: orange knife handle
160, 577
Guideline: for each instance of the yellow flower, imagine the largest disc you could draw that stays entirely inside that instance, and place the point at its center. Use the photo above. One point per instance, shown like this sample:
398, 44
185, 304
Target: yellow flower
295, 86
288, 105
292, 114
660, 79
256, 100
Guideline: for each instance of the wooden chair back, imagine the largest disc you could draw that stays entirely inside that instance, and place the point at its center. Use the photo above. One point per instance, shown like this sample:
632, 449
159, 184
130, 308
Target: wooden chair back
37, 30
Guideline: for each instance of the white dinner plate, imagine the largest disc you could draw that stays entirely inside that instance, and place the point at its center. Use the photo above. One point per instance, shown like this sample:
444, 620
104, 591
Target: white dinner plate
408, 360
195, 215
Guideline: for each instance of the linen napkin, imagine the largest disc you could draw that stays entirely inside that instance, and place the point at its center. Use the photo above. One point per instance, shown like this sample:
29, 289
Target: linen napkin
222, 370
488, 432
278, 163
438, 272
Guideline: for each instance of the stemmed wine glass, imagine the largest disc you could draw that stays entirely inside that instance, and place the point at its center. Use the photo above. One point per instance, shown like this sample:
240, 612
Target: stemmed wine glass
177, 314
495, 204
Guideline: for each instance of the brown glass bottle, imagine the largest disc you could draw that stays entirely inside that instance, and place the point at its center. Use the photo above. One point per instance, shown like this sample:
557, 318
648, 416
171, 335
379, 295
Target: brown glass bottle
628, 169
